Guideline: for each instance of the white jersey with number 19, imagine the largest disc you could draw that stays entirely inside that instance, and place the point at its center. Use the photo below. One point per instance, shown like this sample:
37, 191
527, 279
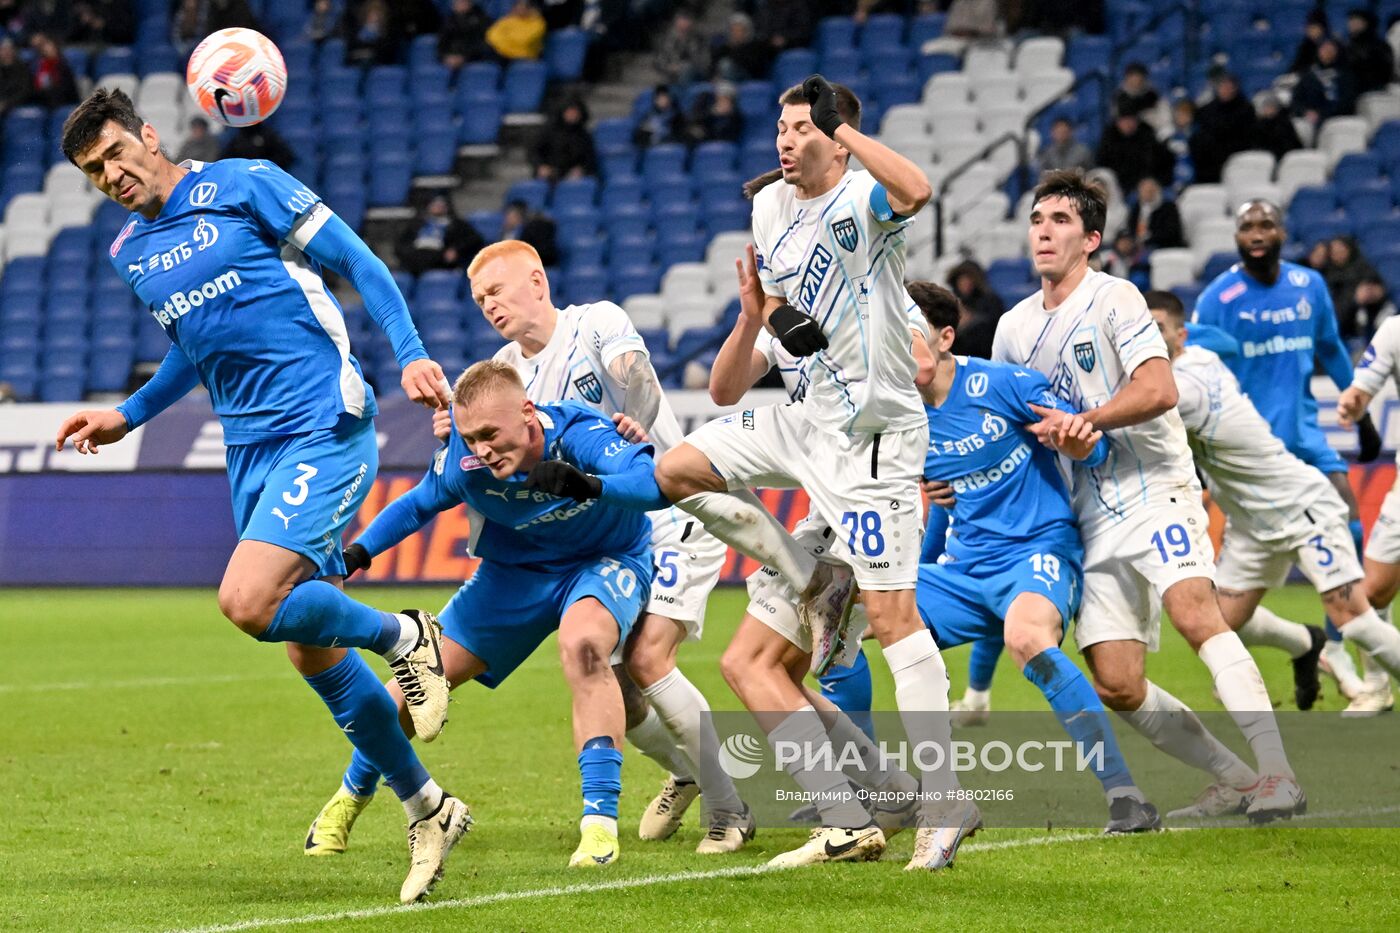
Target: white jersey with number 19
840, 258
1088, 348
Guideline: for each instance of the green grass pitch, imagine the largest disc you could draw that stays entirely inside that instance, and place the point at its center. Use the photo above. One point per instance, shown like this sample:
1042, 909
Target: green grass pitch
158, 771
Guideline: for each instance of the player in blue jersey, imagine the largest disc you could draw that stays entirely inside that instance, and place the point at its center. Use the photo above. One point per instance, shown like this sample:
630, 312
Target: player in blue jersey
1282, 316
228, 256
547, 562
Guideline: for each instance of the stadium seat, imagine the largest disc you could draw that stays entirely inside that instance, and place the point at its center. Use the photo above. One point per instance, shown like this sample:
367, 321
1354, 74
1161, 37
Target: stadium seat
1299, 168
647, 312
481, 121
1039, 54
835, 32
565, 52
881, 31
534, 192
1172, 267
686, 280
1341, 135
523, 86
792, 66
435, 152
926, 27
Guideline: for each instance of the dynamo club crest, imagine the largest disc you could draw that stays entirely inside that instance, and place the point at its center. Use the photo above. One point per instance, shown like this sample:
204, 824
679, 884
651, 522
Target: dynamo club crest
1084, 356
589, 387
845, 232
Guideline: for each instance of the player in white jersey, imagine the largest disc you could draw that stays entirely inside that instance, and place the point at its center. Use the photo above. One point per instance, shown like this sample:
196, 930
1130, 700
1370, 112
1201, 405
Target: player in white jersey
592, 354
1145, 531
831, 247
1380, 362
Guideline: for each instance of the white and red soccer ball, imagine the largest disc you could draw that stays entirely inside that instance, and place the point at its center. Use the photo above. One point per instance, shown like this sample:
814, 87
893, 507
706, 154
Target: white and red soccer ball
237, 76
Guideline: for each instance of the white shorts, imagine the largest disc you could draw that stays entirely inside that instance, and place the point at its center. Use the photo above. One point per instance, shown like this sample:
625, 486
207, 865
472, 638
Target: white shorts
688, 562
1384, 543
1128, 567
774, 602
1320, 544
867, 483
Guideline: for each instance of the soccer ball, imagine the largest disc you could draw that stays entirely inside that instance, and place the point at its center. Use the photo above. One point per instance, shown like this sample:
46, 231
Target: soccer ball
237, 76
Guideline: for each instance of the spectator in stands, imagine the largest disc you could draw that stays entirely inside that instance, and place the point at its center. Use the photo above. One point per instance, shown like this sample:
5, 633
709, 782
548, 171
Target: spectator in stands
1135, 93
1132, 152
103, 22
438, 239
1369, 56
370, 37
1327, 89
1224, 126
323, 23
1373, 306
968, 21
519, 34
1153, 220
16, 80
683, 55
1124, 258
185, 26
226, 14
565, 148
742, 56
662, 123
716, 116
413, 18
1064, 150
200, 145
12, 19
981, 309
259, 141
520, 223
1315, 32
463, 35
1316, 258
8, 396
1178, 140
1346, 268
54, 84
52, 17
787, 24
1276, 131
562, 14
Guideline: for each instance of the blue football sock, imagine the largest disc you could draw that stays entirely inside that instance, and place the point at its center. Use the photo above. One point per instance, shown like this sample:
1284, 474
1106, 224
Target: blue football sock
316, 613
849, 688
982, 663
600, 768
1080, 711
361, 778
1333, 634
367, 715
1358, 536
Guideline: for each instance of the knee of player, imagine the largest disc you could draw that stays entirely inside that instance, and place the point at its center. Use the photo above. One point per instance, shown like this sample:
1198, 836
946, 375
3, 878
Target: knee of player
634, 704
248, 609
586, 655
1122, 693
645, 668
736, 665
680, 473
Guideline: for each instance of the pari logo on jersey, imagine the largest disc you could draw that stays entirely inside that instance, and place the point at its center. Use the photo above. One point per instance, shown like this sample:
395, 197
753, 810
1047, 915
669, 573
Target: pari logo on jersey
846, 234
589, 387
182, 303
817, 268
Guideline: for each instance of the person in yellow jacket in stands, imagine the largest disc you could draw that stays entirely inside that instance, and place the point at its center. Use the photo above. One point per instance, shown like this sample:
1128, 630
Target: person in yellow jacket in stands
518, 34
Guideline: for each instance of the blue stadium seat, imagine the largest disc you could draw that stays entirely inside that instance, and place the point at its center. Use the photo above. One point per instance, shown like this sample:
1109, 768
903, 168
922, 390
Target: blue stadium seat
1380, 236
386, 82
585, 252
577, 227
23, 274
612, 135
790, 67
432, 118
1355, 169
574, 196
730, 215
1389, 270
158, 59
564, 52
580, 283
115, 59
693, 341
653, 337
23, 377
438, 285
636, 280
1216, 264
481, 122
1088, 53
714, 159
881, 31
1312, 201
534, 192
896, 86
487, 223
841, 65
478, 77
1368, 204
835, 32
681, 246
937, 64
926, 26
662, 161
435, 152
524, 86
77, 60
1386, 143
422, 53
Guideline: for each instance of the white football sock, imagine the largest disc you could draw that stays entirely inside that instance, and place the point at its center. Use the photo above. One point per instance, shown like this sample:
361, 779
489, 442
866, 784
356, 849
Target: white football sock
872, 774
686, 714
1271, 631
1380, 641
409, 633
1243, 693
831, 793
740, 521
1170, 725
424, 801
1338, 658
921, 693
653, 740
607, 822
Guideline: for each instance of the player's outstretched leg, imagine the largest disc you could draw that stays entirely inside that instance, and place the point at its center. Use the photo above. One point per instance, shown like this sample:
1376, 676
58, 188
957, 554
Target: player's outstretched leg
975, 707
1303, 643
366, 714
649, 735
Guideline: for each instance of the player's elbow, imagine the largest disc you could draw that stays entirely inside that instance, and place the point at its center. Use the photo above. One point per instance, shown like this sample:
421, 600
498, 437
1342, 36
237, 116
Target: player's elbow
1166, 396
722, 394
920, 193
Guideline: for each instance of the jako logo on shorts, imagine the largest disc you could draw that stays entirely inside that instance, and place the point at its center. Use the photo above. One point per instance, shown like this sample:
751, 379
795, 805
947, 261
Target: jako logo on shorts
181, 303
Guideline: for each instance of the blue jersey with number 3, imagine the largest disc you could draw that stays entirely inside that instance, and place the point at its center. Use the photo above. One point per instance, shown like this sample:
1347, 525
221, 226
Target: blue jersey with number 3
1009, 488
222, 270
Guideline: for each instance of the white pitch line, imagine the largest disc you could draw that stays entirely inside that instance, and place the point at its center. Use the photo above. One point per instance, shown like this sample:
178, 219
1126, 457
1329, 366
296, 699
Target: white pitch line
190, 681
745, 871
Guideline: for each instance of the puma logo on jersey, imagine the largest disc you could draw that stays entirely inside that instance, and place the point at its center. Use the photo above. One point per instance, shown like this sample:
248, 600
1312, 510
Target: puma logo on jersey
286, 519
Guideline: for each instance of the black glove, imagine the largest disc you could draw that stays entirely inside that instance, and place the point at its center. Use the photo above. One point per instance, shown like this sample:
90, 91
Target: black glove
565, 480
799, 333
356, 558
1368, 439
822, 97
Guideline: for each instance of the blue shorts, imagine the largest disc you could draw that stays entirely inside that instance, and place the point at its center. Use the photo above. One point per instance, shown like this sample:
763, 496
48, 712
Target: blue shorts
503, 612
300, 492
963, 602
1312, 448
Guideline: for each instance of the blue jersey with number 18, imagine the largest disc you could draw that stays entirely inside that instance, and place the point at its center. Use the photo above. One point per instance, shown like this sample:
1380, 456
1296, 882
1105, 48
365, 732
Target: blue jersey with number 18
222, 269
1009, 488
